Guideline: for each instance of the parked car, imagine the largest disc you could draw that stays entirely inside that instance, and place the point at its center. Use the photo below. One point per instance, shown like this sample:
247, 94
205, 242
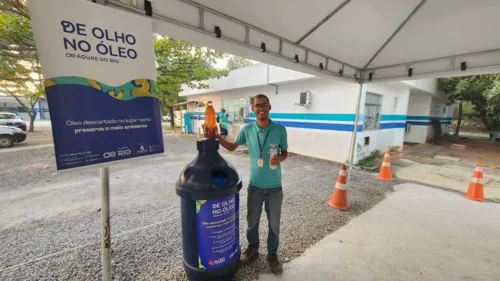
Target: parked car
12, 120
10, 135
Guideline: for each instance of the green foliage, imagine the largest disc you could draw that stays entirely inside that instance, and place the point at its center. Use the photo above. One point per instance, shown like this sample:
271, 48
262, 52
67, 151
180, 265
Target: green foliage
20, 74
467, 111
179, 63
369, 161
394, 148
493, 108
238, 62
482, 92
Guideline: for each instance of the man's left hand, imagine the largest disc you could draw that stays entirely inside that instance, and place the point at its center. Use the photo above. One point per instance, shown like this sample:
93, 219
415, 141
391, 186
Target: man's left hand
276, 160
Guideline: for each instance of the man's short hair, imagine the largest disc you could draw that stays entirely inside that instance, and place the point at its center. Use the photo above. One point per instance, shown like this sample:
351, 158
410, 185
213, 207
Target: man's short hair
261, 96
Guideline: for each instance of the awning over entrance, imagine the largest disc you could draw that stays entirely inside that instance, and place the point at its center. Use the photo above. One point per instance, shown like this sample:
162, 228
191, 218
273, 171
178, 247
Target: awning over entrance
371, 40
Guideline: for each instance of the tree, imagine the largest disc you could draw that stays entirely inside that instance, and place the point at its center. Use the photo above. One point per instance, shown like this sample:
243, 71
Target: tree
20, 73
238, 62
181, 63
493, 107
480, 90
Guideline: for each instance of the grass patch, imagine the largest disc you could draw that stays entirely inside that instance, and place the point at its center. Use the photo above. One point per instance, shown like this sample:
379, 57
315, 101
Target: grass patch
394, 148
370, 160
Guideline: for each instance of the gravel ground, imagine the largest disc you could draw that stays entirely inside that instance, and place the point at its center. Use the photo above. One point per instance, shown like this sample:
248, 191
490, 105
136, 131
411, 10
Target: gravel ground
50, 224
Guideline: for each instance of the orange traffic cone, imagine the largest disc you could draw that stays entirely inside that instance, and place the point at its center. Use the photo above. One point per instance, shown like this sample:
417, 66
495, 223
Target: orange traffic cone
385, 169
476, 185
339, 195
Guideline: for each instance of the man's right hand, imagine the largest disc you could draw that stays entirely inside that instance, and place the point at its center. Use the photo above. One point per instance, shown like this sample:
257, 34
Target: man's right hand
217, 134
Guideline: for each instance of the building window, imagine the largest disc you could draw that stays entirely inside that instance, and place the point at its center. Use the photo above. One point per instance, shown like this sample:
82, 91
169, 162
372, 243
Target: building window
396, 101
373, 108
236, 108
444, 109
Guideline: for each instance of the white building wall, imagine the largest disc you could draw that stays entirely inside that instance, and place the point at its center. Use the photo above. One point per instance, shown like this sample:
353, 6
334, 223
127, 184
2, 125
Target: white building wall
329, 138
430, 86
324, 129
251, 76
328, 97
421, 109
419, 105
441, 110
393, 119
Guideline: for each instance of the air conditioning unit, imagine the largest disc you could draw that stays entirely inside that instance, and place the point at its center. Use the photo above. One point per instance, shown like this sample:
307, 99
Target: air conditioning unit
407, 128
305, 99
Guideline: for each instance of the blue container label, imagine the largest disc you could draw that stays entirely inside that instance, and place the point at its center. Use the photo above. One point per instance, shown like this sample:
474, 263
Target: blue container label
218, 231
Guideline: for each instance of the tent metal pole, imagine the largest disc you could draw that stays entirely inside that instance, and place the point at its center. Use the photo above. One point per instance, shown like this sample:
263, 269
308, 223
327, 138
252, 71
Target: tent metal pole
235, 41
251, 26
436, 59
323, 21
105, 226
442, 73
352, 148
396, 32
240, 22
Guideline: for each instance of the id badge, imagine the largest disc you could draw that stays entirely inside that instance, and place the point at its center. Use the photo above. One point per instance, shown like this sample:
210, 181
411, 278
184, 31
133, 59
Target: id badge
260, 163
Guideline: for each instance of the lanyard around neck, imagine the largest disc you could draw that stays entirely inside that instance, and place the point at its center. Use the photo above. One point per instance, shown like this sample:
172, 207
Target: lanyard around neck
261, 146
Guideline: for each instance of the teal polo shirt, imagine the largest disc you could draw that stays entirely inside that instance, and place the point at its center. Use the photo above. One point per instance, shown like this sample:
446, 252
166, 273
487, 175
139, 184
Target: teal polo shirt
263, 177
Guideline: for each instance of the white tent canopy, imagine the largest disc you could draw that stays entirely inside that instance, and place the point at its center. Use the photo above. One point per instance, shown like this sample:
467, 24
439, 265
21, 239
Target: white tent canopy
360, 41
356, 40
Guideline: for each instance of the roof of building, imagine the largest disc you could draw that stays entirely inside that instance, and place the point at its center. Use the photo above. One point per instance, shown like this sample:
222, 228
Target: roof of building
261, 74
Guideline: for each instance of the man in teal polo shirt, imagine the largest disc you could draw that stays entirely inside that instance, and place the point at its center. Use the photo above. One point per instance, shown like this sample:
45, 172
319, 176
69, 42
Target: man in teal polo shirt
265, 182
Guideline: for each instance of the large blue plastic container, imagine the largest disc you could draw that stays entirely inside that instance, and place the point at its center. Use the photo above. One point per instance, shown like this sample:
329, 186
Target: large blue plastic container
208, 188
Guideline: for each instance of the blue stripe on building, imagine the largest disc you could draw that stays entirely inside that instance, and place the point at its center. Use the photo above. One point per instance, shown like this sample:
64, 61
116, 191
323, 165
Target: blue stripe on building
393, 118
419, 123
316, 126
311, 116
392, 125
426, 123
427, 118
329, 117
386, 119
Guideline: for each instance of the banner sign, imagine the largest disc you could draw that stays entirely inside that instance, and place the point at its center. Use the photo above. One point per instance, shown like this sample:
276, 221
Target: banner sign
218, 231
100, 80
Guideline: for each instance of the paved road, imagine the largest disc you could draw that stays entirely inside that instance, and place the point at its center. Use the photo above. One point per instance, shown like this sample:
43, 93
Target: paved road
417, 233
50, 223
